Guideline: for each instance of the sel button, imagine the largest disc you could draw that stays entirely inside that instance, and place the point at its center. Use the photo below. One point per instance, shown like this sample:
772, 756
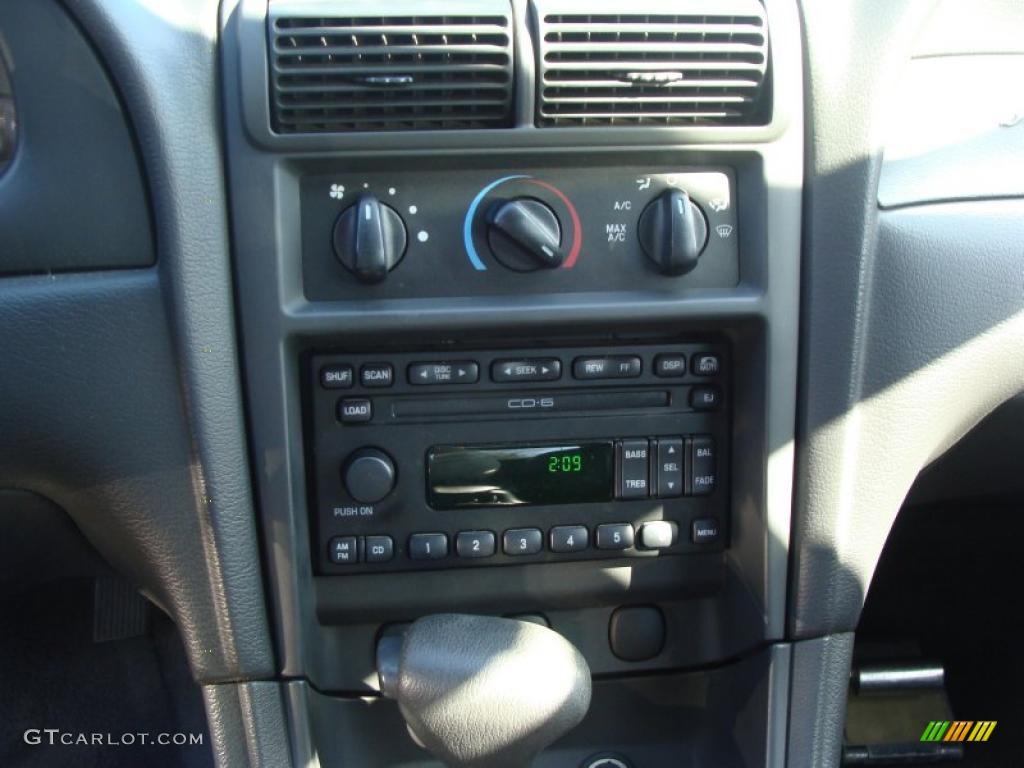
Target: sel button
670, 467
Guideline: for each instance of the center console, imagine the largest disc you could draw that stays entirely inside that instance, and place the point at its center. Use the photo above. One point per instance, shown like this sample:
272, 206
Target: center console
510, 358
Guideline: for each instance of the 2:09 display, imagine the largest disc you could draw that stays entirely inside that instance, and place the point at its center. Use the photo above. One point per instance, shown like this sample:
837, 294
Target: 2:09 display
461, 477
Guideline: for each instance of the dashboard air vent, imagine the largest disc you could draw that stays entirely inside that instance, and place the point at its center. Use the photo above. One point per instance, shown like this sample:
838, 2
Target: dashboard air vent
389, 73
702, 64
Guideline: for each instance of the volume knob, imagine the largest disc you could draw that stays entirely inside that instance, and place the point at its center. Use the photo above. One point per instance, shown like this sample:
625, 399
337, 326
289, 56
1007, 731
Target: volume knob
369, 475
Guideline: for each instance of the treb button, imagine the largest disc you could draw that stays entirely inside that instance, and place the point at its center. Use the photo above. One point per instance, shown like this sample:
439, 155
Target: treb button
634, 469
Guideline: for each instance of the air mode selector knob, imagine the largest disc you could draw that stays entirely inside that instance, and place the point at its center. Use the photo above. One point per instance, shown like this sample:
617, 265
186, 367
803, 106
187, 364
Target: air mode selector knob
369, 475
673, 232
369, 239
524, 235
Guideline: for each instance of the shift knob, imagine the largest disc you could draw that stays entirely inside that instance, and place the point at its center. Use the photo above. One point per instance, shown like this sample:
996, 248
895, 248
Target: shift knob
482, 691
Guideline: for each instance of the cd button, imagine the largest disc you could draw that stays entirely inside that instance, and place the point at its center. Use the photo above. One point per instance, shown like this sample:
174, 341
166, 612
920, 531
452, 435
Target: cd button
379, 549
522, 541
462, 372
540, 369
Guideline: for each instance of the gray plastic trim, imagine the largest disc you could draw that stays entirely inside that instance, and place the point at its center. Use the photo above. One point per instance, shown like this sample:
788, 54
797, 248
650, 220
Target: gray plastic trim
194, 540
278, 322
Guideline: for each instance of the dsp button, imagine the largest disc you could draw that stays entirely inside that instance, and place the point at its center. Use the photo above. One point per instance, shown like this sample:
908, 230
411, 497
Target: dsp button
544, 369
607, 367
702, 464
634, 469
463, 372
670, 365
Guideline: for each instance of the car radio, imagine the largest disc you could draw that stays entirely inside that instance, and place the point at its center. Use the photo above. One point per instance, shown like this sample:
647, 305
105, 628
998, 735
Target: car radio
425, 460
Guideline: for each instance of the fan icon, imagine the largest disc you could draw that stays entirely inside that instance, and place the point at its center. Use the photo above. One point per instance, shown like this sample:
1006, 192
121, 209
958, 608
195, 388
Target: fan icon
337, 190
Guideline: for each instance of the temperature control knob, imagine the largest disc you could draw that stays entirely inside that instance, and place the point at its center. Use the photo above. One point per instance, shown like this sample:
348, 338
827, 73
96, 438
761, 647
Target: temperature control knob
369, 239
524, 235
673, 232
369, 475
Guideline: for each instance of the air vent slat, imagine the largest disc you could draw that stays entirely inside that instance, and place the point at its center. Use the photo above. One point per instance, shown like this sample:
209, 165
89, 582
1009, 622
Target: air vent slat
372, 73
653, 69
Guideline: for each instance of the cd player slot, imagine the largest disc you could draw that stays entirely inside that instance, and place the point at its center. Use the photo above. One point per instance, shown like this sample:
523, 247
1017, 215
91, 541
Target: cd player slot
528, 404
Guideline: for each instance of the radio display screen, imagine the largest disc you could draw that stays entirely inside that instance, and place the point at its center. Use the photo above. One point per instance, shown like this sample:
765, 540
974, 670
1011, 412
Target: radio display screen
461, 477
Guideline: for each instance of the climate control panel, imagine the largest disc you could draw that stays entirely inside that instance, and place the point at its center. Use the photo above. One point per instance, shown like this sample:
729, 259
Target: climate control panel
476, 232
427, 460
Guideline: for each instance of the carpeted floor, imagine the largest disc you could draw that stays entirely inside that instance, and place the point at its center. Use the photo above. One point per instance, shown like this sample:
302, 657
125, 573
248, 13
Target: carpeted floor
53, 675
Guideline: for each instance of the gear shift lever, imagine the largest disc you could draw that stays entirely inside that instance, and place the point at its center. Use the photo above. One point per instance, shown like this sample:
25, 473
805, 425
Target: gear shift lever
481, 691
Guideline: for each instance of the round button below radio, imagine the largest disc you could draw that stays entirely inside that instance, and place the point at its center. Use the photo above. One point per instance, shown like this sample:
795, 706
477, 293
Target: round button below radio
369, 475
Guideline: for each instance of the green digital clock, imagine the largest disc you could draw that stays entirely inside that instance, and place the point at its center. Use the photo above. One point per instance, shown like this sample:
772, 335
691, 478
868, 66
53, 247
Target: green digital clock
566, 462
460, 476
